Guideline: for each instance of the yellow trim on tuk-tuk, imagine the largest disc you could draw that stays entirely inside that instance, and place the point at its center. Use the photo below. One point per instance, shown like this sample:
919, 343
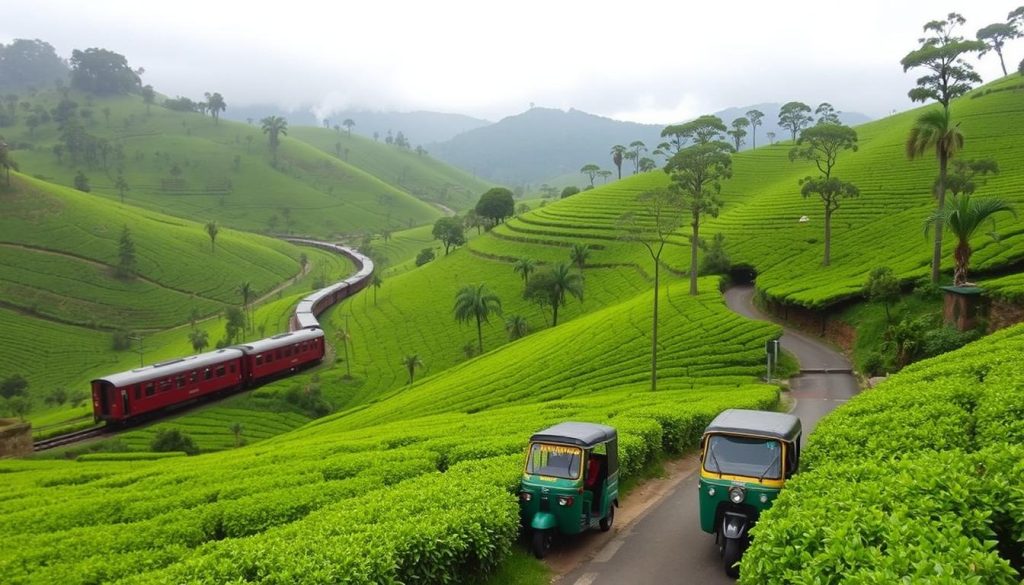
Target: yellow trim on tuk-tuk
573, 448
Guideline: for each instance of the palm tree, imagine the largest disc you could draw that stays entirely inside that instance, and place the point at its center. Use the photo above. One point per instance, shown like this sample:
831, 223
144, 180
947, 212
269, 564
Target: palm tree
579, 254
376, 282
476, 302
215, 103
962, 216
245, 289
199, 339
274, 127
935, 129
617, 151
516, 326
563, 281
524, 267
411, 362
212, 230
6, 162
345, 337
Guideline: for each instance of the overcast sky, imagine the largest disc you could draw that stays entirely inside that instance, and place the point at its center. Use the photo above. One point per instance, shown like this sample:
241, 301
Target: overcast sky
634, 60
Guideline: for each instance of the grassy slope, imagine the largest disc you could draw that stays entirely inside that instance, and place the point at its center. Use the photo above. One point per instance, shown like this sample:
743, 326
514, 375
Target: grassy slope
421, 175
323, 195
762, 206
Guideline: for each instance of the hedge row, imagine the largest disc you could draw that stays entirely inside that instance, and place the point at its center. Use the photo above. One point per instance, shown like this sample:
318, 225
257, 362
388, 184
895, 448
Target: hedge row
920, 480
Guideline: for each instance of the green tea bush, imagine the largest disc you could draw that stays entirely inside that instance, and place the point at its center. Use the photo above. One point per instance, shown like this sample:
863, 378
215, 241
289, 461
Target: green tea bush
920, 480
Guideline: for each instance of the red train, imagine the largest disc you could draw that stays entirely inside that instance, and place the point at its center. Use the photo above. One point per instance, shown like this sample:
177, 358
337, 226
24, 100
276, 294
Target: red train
122, 397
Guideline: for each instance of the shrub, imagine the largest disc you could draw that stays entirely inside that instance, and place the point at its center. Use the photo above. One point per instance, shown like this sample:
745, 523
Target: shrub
425, 256
121, 340
716, 260
946, 339
874, 364
570, 191
170, 440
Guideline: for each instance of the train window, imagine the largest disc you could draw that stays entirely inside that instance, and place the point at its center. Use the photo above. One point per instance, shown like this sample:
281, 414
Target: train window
164, 385
259, 360
220, 371
208, 374
181, 381
194, 377
150, 389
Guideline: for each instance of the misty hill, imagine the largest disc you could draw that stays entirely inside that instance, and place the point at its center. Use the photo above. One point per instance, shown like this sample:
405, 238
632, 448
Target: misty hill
540, 143
543, 143
421, 128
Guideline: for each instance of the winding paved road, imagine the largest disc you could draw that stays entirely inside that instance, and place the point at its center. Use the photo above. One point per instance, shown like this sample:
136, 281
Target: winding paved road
665, 545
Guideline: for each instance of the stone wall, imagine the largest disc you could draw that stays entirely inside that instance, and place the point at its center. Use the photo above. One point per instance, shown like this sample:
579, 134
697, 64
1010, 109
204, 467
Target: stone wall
817, 323
15, 438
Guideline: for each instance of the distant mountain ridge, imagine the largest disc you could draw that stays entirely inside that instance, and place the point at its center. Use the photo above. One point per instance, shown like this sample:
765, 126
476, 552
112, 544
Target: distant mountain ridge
542, 143
419, 127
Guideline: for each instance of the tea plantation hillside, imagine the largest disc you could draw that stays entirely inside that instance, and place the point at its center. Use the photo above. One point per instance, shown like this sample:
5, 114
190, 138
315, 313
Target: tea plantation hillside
63, 297
416, 172
187, 165
423, 493
763, 206
921, 479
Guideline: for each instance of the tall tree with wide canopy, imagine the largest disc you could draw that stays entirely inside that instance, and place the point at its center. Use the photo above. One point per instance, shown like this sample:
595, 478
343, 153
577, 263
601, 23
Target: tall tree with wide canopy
827, 114
274, 127
697, 173
496, 204
638, 148
821, 144
216, 104
962, 216
348, 124
795, 116
475, 302
949, 76
590, 171
102, 72
617, 152
755, 117
450, 231
739, 131
935, 130
995, 36
666, 208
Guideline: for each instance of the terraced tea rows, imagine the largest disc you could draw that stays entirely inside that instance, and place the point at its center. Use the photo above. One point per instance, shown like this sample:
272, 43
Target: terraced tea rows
422, 499
760, 217
921, 478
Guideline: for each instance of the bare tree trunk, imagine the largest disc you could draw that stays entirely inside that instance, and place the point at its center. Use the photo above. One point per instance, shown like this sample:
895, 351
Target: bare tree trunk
963, 260
828, 236
654, 329
479, 334
693, 254
1001, 63
940, 192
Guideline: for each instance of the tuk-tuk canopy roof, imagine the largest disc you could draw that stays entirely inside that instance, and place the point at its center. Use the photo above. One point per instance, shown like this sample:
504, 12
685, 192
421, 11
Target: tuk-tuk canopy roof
760, 423
585, 435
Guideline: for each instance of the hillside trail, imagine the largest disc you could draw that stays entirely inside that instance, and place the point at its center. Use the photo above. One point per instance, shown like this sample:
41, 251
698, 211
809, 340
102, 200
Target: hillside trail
663, 542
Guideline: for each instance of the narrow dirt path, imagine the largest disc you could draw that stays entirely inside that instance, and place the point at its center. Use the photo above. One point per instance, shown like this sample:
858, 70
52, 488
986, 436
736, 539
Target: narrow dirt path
664, 543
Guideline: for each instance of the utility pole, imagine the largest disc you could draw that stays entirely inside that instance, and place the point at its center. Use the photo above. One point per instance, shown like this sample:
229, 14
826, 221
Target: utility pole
141, 350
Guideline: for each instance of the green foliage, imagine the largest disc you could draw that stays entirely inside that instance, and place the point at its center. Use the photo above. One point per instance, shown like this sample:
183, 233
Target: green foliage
101, 71
234, 325
942, 54
476, 303
309, 399
716, 259
126, 262
795, 116
28, 63
882, 287
569, 191
921, 478
121, 340
551, 289
962, 216
82, 182
13, 385
496, 205
173, 440
425, 256
449, 231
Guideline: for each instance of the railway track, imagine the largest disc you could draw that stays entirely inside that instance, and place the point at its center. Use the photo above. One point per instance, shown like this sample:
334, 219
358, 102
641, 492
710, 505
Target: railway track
61, 440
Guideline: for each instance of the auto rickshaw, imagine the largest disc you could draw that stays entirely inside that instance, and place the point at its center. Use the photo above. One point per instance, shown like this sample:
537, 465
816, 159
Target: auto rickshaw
570, 482
746, 457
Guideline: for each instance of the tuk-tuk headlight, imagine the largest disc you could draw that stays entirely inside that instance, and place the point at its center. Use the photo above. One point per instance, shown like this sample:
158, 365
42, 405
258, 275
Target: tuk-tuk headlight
737, 494
711, 491
764, 498
526, 496
565, 500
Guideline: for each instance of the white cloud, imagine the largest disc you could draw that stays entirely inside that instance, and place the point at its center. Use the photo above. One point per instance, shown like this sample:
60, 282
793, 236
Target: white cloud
646, 61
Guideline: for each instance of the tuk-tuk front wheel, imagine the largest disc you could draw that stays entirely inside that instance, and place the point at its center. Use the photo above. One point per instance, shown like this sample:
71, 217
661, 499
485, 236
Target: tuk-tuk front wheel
541, 543
606, 522
732, 551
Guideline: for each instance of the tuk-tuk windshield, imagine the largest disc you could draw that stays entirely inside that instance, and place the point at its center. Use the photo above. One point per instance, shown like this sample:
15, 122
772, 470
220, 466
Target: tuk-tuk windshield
560, 461
746, 456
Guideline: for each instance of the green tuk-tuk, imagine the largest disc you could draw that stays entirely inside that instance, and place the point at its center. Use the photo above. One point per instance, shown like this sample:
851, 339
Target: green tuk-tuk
746, 457
570, 482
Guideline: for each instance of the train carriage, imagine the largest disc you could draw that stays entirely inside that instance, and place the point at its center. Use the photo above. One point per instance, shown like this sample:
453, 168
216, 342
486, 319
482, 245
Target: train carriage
120, 397
286, 352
